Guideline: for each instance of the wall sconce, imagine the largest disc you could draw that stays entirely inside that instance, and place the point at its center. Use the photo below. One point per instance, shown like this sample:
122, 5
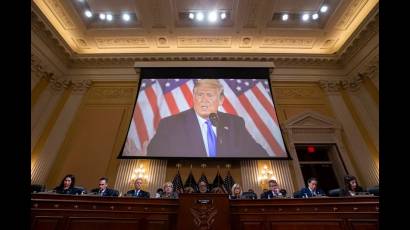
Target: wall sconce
265, 175
139, 172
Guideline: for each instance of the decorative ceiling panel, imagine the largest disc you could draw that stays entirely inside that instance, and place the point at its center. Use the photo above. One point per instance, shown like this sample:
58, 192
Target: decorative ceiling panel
157, 26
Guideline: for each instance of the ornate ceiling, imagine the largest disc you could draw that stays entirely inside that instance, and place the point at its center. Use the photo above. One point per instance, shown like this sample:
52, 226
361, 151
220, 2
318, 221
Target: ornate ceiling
162, 27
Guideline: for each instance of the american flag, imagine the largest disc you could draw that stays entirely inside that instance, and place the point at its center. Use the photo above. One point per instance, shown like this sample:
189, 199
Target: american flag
177, 183
190, 182
228, 182
218, 182
247, 98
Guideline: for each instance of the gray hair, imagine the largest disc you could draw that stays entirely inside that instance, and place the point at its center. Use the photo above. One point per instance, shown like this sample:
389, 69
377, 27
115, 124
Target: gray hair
212, 83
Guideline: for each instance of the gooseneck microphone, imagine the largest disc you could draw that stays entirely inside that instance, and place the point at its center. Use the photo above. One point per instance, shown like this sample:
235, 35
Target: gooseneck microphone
214, 119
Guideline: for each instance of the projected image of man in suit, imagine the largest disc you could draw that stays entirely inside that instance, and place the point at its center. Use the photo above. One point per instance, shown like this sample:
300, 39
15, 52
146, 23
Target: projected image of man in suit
203, 131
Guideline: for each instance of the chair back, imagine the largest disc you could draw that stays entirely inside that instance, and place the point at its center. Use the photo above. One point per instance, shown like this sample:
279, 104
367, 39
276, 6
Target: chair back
335, 192
249, 196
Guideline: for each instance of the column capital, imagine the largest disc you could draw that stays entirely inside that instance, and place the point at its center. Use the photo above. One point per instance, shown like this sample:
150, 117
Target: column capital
330, 86
38, 69
58, 85
81, 86
371, 69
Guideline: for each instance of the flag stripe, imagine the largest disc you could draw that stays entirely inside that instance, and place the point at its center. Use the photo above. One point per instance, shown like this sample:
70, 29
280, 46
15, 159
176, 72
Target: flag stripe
228, 107
180, 99
134, 136
142, 130
152, 98
266, 104
187, 94
147, 114
262, 127
171, 103
267, 121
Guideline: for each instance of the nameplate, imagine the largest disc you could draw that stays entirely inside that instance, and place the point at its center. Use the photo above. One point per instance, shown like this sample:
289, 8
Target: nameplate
203, 201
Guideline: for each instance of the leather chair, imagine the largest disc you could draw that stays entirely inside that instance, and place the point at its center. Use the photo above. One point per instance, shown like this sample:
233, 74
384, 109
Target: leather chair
297, 194
35, 188
249, 196
373, 190
335, 192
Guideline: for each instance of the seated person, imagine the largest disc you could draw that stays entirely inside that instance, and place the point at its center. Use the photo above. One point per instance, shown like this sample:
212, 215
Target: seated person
67, 186
103, 189
236, 192
218, 190
138, 192
351, 188
265, 190
169, 191
202, 187
312, 190
189, 189
274, 191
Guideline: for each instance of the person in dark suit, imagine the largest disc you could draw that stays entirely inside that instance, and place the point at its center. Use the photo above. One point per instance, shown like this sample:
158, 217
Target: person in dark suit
67, 186
274, 191
138, 192
312, 190
203, 131
103, 189
351, 188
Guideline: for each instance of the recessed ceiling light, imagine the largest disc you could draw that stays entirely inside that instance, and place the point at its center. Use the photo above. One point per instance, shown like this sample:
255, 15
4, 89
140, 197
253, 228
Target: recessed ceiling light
305, 17
323, 9
191, 16
126, 17
315, 16
88, 14
102, 16
223, 15
109, 17
199, 16
285, 17
212, 16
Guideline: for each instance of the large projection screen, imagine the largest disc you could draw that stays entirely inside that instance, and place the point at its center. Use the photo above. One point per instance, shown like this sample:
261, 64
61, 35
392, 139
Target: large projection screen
169, 119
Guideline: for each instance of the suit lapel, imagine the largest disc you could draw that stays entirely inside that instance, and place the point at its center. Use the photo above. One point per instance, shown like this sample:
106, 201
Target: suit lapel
193, 133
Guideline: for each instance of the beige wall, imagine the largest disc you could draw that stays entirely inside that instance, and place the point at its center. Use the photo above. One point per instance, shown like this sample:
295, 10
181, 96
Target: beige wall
96, 135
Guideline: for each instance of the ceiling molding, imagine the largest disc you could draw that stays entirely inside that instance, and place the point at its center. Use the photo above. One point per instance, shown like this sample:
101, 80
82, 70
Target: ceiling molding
57, 44
365, 32
45, 32
128, 61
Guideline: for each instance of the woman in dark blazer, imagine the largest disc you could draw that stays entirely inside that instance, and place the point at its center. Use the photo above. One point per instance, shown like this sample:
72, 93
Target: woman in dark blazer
351, 188
67, 186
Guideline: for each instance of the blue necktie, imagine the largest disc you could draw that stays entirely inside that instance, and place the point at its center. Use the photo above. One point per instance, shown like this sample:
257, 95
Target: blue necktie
211, 139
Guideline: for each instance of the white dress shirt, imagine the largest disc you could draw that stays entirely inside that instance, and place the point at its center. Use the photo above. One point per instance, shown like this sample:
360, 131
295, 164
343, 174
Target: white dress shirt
204, 131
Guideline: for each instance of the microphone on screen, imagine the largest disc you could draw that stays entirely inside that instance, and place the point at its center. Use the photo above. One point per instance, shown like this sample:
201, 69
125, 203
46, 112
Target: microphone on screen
214, 119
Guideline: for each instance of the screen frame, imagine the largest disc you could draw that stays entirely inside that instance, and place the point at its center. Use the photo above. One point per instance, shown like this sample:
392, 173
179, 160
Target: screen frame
203, 73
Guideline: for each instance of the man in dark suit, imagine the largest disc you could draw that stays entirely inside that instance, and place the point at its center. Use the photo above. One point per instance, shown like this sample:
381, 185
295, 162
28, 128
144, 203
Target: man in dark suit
138, 192
194, 133
274, 191
312, 190
103, 189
